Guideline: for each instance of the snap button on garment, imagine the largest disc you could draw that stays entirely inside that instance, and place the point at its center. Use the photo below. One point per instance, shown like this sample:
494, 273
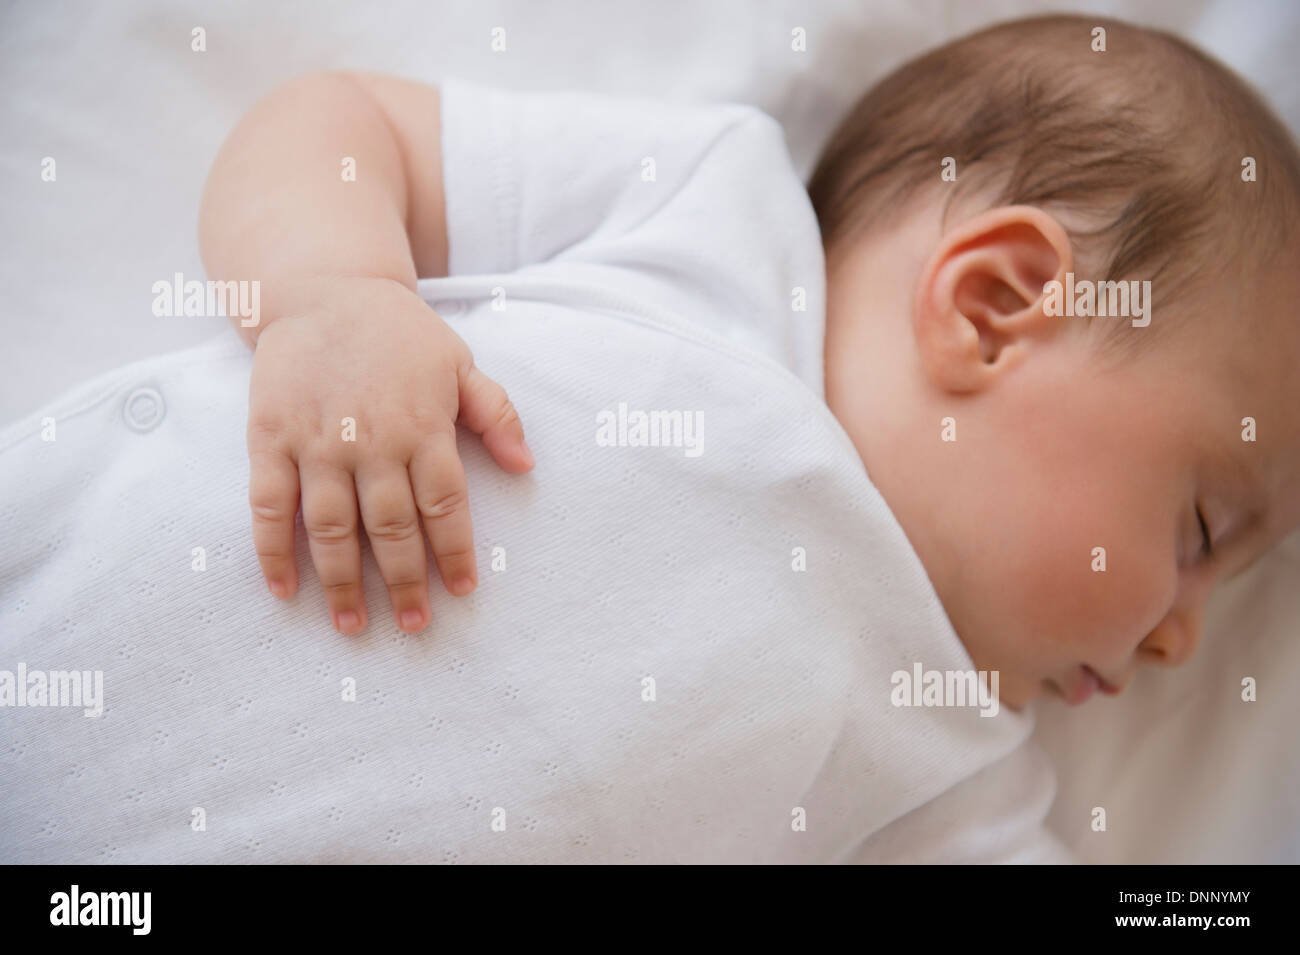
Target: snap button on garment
144, 409
449, 308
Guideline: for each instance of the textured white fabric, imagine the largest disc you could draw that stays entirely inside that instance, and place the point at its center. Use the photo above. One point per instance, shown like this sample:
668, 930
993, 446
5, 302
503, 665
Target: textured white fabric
525, 703
697, 209
987, 818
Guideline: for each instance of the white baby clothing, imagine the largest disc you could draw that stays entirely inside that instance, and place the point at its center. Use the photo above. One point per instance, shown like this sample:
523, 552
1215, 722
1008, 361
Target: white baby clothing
688, 615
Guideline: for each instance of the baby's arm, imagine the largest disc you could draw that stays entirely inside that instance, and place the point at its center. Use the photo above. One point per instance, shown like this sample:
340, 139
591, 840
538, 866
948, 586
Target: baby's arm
342, 334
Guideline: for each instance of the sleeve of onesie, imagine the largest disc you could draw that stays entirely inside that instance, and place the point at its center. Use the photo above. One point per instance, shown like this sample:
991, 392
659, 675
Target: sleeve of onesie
696, 207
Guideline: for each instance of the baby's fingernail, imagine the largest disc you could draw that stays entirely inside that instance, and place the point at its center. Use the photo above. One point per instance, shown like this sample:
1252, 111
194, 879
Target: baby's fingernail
412, 619
278, 588
528, 453
349, 620
461, 586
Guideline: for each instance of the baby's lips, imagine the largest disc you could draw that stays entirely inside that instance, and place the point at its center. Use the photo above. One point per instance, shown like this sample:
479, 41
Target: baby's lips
1080, 690
1106, 686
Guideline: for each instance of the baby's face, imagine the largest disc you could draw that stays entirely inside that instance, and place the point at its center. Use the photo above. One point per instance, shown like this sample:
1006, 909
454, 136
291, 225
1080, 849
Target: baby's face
1060, 528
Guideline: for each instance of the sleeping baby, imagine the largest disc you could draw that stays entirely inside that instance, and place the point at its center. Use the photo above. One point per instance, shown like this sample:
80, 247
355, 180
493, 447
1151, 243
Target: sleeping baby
823, 487
1095, 471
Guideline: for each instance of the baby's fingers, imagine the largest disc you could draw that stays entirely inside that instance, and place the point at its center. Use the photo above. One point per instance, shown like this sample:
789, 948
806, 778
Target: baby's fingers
329, 513
273, 498
393, 526
486, 409
438, 480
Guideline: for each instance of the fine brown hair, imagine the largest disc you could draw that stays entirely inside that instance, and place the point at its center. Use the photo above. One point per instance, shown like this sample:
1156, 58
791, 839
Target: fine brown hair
1138, 149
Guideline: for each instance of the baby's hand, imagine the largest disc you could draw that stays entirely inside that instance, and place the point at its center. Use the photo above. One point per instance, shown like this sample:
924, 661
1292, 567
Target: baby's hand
355, 399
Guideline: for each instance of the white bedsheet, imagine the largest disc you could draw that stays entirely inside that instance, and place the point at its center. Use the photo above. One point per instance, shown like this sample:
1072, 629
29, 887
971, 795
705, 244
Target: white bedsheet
132, 117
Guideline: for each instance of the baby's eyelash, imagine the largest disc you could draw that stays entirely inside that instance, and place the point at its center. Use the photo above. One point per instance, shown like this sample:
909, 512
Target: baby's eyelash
1207, 545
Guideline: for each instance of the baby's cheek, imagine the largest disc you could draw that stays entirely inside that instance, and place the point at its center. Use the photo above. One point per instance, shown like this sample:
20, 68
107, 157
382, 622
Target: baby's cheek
1081, 582
1070, 597
1125, 590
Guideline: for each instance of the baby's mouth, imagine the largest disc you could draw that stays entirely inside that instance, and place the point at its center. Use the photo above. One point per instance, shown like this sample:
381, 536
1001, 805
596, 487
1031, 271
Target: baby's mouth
1110, 689
1081, 683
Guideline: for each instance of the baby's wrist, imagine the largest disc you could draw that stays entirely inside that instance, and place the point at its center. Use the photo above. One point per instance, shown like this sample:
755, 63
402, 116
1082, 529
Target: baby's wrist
318, 293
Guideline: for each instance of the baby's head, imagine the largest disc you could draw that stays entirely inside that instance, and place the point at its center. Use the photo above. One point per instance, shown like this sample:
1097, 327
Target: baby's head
1053, 471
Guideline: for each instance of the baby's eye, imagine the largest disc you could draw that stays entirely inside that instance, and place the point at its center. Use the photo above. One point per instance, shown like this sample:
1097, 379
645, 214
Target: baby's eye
1207, 545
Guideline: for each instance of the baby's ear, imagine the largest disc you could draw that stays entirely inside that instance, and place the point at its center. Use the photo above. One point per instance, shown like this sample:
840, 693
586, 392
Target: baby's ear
979, 304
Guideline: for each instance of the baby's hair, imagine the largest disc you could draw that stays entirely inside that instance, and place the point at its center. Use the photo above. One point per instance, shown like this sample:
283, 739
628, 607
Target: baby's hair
1139, 150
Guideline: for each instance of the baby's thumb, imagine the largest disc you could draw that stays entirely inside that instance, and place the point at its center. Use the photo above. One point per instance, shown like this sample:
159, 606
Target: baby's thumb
486, 410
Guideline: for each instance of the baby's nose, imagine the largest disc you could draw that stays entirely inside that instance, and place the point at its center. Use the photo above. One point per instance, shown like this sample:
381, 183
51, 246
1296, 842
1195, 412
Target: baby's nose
1174, 639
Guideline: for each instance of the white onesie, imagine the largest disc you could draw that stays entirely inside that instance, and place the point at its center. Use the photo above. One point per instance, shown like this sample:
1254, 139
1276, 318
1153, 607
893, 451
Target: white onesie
688, 615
